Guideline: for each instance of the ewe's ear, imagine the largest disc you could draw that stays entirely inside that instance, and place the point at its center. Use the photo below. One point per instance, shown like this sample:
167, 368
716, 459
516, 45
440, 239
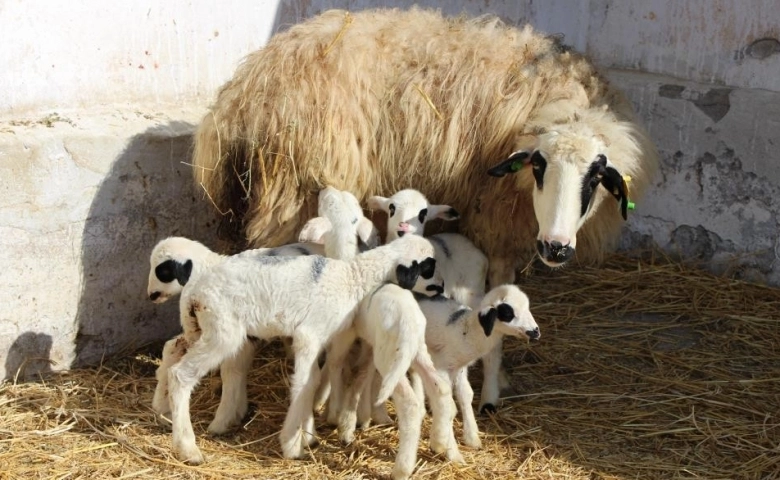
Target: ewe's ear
314, 230
444, 212
613, 181
513, 164
407, 276
378, 203
487, 320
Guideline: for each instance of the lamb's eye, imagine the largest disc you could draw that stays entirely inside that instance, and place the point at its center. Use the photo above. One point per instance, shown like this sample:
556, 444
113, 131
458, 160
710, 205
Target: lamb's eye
505, 312
423, 213
391, 209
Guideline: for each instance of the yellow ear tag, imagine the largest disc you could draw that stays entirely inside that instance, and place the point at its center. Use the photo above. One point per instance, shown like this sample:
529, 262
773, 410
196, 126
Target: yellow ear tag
626, 181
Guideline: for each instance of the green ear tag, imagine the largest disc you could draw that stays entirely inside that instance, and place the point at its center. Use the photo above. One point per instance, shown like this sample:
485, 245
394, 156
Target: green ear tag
516, 165
631, 205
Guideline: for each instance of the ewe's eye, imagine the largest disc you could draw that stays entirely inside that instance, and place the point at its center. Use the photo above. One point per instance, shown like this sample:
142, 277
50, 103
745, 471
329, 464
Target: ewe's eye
391, 209
422, 215
539, 164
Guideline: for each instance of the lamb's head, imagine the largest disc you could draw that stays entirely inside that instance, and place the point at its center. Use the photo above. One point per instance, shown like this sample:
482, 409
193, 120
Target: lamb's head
408, 210
566, 165
416, 267
171, 266
505, 309
342, 205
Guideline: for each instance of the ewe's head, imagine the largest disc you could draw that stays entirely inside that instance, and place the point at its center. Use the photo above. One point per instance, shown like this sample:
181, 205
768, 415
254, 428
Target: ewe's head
407, 211
171, 266
505, 309
567, 164
416, 268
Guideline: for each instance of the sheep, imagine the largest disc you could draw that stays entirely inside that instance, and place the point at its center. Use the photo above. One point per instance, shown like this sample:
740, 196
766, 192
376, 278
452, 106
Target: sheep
462, 266
457, 336
391, 324
176, 264
373, 100
311, 299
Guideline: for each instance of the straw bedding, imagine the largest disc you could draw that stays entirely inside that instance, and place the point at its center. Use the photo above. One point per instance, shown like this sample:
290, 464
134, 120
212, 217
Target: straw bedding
645, 369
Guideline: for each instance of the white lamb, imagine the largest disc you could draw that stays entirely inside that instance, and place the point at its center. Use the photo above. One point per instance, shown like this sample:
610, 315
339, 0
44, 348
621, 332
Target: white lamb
176, 264
461, 264
457, 336
310, 299
391, 324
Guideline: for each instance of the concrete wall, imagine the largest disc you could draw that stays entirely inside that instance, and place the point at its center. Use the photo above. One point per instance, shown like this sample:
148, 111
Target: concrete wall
98, 101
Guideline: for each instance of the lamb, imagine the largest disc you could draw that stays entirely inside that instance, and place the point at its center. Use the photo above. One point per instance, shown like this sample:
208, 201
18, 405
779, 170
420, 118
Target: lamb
457, 336
372, 100
176, 264
311, 299
462, 266
391, 324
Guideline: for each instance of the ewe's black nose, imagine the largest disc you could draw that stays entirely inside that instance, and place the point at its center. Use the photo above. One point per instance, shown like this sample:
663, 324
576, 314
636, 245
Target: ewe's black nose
534, 334
154, 296
554, 251
401, 233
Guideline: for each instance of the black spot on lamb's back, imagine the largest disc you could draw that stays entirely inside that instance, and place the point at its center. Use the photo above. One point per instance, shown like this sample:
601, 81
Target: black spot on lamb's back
457, 315
276, 260
317, 266
303, 250
442, 244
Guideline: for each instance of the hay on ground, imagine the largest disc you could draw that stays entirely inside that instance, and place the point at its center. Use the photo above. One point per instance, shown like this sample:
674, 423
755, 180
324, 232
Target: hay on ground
646, 369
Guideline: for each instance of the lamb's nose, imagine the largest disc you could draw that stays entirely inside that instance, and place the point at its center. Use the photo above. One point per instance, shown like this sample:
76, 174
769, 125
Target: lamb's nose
534, 334
154, 296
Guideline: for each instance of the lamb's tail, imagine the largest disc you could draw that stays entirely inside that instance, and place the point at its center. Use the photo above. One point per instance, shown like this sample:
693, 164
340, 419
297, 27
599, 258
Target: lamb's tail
400, 347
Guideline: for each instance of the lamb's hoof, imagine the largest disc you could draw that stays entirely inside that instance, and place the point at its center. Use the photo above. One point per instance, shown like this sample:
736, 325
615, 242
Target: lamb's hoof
487, 408
293, 448
456, 457
347, 437
310, 441
381, 418
401, 473
472, 441
438, 447
220, 427
190, 455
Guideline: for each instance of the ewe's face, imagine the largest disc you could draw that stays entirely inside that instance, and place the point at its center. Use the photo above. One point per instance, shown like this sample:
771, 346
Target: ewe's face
407, 211
505, 310
567, 169
167, 277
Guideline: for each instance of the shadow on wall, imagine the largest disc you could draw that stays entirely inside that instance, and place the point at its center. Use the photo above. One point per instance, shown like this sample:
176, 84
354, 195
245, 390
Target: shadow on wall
28, 357
147, 195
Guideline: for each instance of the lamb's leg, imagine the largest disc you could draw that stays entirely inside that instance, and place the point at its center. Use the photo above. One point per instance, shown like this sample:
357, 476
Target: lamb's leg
337, 353
491, 369
356, 394
379, 413
465, 396
172, 352
410, 413
233, 403
302, 388
202, 357
323, 389
439, 391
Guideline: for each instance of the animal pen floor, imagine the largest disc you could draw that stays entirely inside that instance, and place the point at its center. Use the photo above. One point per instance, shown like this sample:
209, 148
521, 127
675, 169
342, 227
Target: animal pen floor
644, 370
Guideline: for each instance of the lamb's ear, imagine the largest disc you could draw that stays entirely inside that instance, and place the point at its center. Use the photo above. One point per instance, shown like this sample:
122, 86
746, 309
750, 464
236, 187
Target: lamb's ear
613, 181
368, 233
183, 272
444, 212
407, 276
513, 164
314, 230
378, 203
487, 320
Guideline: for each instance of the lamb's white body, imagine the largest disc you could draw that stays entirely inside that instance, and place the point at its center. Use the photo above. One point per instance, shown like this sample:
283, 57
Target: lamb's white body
310, 299
181, 262
457, 336
391, 323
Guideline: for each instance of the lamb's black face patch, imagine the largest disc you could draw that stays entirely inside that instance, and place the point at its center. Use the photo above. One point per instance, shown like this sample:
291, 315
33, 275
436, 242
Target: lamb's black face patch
538, 165
317, 266
422, 215
505, 312
442, 244
391, 209
407, 276
171, 270
427, 268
